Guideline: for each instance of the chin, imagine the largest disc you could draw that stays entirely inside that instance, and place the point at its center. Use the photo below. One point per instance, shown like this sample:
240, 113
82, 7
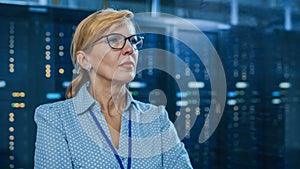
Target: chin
124, 78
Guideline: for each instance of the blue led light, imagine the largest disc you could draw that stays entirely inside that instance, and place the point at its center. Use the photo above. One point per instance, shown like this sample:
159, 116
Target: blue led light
276, 101
231, 94
182, 103
198, 84
2, 83
53, 96
285, 85
182, 94
66, 84
137, 84
241, 85
38, 9
232, 102
276, 94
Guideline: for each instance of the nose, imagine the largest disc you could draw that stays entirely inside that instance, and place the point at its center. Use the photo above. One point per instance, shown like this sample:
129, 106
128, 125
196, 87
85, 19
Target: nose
128, 48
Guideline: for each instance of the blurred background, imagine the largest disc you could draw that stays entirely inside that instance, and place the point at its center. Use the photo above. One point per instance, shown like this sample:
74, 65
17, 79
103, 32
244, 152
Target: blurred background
257, 42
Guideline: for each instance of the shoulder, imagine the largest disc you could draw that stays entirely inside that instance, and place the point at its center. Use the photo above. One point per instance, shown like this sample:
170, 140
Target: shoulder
52, 111
58, 105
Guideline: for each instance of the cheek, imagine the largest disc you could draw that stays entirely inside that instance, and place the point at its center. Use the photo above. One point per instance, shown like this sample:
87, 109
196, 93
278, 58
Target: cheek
136, 57
103, 58
108, 63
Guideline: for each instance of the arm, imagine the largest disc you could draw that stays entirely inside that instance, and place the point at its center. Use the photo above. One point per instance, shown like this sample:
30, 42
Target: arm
51, 148
175, 155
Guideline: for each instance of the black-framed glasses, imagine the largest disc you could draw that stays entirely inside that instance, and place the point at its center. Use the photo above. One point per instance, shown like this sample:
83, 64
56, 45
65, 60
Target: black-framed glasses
118, 41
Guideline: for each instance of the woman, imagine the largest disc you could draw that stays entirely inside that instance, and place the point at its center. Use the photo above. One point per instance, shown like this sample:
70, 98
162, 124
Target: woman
100, 125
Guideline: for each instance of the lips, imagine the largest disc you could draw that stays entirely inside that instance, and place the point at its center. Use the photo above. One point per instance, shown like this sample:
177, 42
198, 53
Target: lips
127, 64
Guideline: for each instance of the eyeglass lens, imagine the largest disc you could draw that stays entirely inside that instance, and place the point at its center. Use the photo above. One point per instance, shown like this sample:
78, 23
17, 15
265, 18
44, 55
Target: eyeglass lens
117, 41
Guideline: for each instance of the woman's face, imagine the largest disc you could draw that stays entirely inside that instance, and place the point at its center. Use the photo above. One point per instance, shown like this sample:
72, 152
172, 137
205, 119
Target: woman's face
116, 65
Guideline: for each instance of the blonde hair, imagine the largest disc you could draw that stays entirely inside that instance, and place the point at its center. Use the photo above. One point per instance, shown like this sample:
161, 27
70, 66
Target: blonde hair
86, 33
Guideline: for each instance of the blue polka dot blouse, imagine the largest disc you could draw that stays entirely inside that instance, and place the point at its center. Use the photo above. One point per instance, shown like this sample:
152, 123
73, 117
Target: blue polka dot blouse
68, 137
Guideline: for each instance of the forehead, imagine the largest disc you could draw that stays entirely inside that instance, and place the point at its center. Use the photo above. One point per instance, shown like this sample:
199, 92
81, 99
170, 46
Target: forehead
125, 28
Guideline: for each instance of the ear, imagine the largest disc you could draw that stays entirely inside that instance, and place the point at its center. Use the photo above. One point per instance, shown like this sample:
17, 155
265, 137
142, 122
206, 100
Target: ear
83, 60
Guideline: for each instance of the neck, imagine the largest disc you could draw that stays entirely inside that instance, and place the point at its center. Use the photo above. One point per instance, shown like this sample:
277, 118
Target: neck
110, 96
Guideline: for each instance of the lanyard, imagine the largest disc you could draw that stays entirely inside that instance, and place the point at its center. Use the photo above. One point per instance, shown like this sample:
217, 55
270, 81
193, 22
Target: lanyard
110, 143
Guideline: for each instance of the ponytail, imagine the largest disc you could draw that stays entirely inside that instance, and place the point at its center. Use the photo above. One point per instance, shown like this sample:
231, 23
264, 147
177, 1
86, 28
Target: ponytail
76, 84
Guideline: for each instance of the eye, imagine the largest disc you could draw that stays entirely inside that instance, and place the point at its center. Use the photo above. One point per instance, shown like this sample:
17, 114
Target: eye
135, 40
114, 39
